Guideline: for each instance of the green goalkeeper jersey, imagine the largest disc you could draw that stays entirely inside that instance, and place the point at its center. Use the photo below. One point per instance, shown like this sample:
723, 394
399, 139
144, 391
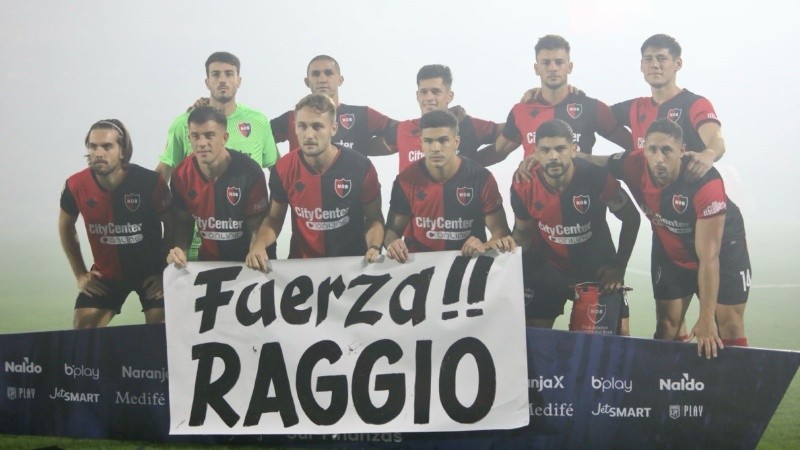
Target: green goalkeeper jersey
249, 132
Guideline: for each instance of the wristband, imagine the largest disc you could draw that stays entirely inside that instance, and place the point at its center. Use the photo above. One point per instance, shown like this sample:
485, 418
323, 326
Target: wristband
376, 247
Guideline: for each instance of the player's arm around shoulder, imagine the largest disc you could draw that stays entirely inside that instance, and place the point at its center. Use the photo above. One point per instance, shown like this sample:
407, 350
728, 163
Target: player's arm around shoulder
699, 162
611, 128
269, 151
177, 147
622, 206
504, 146
612, 275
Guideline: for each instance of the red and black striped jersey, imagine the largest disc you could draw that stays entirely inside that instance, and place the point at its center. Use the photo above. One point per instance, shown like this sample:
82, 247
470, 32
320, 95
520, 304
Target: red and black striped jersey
571, 231
405, 138
328, 216
357, 125
673, 210
445, 214
221, 208
586, 115
123, 226
687, 109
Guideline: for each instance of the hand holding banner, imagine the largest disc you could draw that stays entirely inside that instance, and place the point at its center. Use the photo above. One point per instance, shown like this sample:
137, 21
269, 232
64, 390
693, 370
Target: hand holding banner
435, 344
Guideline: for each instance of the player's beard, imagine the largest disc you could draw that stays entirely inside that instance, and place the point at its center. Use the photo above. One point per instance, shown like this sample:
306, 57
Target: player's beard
225, 98
104, 168
661, 174
557, 174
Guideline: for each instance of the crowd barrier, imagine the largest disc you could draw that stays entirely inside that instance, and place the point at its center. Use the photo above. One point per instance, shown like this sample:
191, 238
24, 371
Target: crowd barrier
584, 391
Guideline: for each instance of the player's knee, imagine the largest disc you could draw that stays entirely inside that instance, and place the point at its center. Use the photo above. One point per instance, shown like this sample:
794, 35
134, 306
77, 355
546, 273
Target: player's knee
541, 323
154, 315
624, 327
82, 322
667, 329
91, 319
730, 321
731, 330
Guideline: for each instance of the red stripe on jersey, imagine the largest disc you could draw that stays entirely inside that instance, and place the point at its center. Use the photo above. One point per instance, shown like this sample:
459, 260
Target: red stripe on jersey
549, 217
195, 194
523, 121
376, 122
710, 200
408, 143
302, 189
95, 204
701, 112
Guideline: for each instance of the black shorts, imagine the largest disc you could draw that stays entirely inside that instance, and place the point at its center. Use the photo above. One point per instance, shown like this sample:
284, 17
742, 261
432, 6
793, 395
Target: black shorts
118, 291
547, 290
671, 281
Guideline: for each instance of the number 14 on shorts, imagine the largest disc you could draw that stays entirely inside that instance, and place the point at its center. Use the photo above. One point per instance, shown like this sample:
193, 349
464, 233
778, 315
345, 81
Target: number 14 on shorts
745, 274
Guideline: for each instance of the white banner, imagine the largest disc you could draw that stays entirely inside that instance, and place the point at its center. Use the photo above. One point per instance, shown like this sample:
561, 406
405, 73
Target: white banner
335, 345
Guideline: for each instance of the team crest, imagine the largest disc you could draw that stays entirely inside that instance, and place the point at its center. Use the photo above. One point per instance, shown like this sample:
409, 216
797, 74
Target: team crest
11, 393
132, 201
245, 129
581, 203
674, 114
596, 312
574, 110
674, 411
342, 187
464, 195
234, 194
680, 202
347, 120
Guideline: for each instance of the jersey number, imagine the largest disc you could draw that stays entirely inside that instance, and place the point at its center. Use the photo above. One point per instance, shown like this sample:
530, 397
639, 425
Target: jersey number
745, 279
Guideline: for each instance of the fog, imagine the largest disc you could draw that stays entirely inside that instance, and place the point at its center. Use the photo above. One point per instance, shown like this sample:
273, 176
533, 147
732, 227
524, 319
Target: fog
69, 64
